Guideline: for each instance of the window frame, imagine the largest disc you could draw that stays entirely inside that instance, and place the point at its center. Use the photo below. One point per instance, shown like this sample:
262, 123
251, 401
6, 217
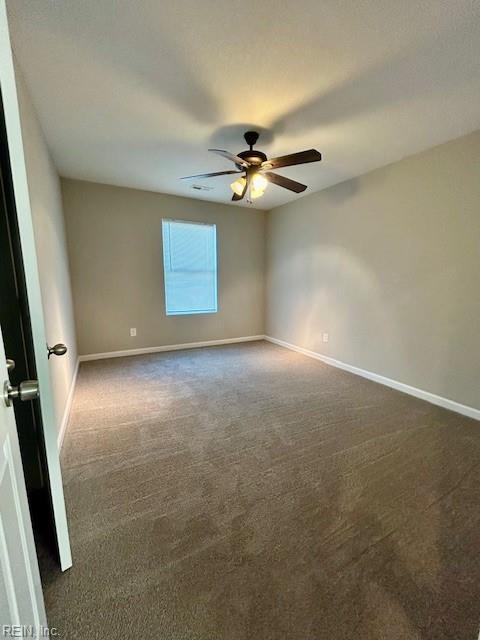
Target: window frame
194, 312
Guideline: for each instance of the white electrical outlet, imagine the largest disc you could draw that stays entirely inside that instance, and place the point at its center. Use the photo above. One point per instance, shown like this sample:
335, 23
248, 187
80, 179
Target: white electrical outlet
325, 337
133, 332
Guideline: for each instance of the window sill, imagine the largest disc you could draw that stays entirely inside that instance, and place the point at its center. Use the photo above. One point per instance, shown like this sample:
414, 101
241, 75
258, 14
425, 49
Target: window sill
190, 313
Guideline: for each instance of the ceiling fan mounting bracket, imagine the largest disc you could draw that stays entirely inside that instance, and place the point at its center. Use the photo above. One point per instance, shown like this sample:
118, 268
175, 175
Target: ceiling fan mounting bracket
251, 138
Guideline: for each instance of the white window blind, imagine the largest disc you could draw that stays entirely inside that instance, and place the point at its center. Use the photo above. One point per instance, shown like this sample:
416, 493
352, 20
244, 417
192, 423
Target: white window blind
190, 267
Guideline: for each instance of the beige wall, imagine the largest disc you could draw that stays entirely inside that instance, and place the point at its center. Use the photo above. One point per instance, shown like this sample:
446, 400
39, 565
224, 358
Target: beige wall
389, 265
46, 205
114, 238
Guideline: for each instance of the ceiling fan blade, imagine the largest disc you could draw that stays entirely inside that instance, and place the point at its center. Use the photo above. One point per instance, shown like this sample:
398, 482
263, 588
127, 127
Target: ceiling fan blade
302, 157
236, 197
232, 157
286, 183
210, 175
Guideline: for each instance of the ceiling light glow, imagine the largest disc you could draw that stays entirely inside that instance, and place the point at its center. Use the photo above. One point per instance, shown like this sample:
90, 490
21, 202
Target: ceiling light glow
259, 182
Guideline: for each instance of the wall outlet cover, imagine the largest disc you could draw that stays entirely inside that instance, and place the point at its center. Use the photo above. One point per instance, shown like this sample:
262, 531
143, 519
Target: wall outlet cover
325, 337
133, 332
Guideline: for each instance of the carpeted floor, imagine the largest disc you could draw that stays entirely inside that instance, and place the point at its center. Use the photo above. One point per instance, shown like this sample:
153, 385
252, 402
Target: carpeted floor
247, 492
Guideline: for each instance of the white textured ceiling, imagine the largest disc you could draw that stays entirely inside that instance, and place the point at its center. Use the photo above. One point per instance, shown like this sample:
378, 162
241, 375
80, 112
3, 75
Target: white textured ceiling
134, 92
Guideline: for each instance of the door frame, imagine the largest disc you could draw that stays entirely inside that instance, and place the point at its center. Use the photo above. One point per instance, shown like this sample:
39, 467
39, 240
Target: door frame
32, 281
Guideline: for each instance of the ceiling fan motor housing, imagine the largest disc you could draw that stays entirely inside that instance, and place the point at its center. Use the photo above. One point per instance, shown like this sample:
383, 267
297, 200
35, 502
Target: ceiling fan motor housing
255, 158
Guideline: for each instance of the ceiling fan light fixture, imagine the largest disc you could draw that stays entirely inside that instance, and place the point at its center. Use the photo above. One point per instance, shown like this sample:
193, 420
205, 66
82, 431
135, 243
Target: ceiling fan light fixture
256, 189
256, 193
238, 186
259, 182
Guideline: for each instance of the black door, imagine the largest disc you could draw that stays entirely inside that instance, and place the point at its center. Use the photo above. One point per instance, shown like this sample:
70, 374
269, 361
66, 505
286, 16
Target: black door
18, 343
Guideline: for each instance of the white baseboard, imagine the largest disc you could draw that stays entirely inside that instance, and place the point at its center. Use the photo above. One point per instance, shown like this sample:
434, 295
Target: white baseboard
465, 410
168, 347
68, 406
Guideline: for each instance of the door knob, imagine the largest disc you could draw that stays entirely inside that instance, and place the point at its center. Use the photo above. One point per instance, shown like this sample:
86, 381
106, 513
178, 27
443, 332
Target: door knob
57, 350
26, 390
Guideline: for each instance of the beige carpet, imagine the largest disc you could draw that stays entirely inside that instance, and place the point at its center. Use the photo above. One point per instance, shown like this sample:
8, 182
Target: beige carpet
250, 493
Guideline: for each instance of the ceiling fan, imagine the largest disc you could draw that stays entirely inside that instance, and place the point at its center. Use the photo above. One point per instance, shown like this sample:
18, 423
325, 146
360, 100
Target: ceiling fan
256, 169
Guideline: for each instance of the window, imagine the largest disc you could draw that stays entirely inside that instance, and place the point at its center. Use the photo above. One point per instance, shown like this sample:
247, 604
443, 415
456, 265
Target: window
190, 267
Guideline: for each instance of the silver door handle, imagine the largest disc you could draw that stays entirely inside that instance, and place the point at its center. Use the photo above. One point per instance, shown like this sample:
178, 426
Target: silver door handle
26, 390
10, 364
57, 350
